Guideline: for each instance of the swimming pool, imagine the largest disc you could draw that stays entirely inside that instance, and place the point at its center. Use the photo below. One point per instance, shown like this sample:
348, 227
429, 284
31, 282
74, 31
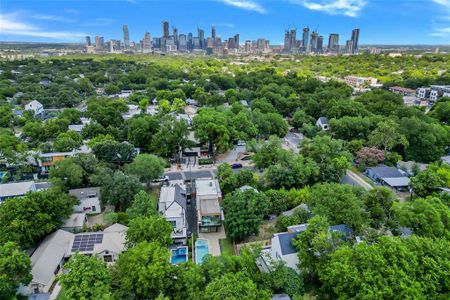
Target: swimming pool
179, 255
201, 250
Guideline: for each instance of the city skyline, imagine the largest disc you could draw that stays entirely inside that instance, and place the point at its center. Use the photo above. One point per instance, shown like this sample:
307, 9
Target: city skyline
383, 22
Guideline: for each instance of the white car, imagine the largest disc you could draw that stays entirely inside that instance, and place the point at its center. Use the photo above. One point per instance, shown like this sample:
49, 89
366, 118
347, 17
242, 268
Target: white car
241, 143
162, 179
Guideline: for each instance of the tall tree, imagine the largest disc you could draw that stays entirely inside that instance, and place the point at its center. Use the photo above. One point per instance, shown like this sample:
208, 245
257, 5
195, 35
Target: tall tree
387, 136
15, 269
144, 205
244, 213
118, 189
151, 229
146, 167
86, 277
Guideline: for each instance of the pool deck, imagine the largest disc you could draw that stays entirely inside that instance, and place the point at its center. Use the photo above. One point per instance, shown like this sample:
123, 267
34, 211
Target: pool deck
213, 238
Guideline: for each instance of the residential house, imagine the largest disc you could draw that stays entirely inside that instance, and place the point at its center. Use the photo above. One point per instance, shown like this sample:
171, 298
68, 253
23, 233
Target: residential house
36, 107
322, 122
388, 176
409, 167
357, 81
282, 249
208, 196
47, 160
75, 222
78, 128
133, 110
56, 249
89, 200
172, 205
16, 189
402, 91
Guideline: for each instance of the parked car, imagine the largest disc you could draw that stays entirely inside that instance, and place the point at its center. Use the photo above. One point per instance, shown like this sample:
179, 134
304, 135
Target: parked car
236, 166
161, 179
241, 143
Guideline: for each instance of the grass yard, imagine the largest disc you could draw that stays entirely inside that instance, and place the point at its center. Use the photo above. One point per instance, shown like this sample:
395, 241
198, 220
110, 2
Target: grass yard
226, 247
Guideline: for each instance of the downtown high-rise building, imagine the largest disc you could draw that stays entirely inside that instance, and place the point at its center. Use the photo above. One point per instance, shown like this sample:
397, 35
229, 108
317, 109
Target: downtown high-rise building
333, 42
305, 39
355, 40
165, 29
88, 41
314, 41
182, 43
213, 32
147, 43
99, 43
175, 35
201, 37
126, 37
349, 46
319, 44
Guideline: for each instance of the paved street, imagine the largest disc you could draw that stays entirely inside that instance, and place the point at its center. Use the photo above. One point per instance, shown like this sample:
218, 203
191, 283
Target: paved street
352, 178
232, 156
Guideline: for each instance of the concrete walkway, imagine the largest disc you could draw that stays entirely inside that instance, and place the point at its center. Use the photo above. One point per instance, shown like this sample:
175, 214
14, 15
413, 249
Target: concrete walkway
213, 238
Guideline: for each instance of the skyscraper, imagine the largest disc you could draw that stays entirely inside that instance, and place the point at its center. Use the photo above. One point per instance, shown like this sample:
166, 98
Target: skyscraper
88, 41
314, 40
355, 39
349, 46
201, 36
333, 42
147, 43
126, 37
213, 32
293, 40
165, 27
99, 43
287, 40
182, 42
319, 44
236, 40
305, 38
175, 35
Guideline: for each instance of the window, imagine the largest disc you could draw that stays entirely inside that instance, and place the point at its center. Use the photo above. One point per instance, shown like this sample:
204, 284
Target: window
107, 258
94, 208
173, 223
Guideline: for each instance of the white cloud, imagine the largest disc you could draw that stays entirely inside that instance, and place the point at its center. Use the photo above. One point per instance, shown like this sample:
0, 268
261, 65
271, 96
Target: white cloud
246, 5
10, 25
131, 1
442, 2
350, 8
49, 18
441, 32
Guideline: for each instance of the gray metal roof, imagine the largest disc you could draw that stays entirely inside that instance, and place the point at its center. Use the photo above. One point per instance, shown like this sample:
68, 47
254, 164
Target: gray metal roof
396, 181
383, 171
323, 120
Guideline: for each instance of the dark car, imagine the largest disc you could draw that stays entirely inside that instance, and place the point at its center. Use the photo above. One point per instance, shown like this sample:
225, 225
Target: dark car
236, 166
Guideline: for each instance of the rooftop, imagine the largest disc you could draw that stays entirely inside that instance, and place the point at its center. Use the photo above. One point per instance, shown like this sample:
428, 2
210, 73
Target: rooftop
16, 188
207, 187
383, 171
75, 220
91, 192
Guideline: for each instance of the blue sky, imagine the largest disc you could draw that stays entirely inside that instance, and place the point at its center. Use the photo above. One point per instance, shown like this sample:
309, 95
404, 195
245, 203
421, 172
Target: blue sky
381, 21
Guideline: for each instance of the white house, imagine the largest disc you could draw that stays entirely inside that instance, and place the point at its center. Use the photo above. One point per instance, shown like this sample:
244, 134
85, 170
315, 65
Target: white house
36, 107
16, 189
89, 200
172, 204
322, 122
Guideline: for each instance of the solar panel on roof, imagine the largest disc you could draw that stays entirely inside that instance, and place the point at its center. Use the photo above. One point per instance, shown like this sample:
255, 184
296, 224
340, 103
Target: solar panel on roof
86, 242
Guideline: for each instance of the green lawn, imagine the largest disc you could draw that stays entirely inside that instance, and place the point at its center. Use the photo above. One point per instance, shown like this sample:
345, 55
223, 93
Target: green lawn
226, 247
61, 295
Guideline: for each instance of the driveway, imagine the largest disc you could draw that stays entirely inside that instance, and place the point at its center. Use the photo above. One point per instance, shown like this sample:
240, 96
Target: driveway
232, 155
354, 179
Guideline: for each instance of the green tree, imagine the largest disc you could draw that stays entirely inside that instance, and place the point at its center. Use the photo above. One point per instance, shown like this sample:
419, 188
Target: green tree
143, 205
144, 270
427, 182
114, 152
15, 269
378, 203
315, 244
6, 116
210, 126
286, 280
73, 115
340, 203
330, 155
67, 173
427, 217
26, 220
233, 287
118, 189
387, 136
171, 138
143, 104
86, 277
67, 141
141, 130
151, 229
146, 167
392, 268
244, 213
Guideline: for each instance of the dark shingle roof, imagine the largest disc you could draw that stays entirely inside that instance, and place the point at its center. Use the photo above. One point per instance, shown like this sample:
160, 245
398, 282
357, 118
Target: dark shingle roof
286, 238
323, 120
180, 196
383, 171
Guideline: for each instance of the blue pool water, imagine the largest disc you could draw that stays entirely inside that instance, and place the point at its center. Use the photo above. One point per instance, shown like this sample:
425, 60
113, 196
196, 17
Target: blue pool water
2, 174
201, 250
179, 255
